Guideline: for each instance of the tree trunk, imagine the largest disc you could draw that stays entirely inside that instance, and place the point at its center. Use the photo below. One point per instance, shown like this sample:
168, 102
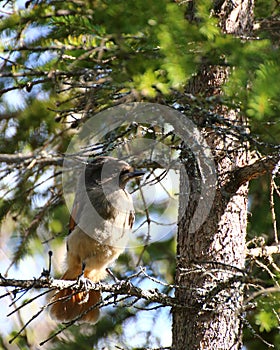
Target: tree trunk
211, 257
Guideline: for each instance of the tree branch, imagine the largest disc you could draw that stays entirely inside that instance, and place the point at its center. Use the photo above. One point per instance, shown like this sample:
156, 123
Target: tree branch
264, 251
120, 288
42, 159
237, 177
241, 175
45, 159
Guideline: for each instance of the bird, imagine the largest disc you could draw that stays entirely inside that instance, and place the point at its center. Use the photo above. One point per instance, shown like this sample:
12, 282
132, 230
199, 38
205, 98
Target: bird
99, 227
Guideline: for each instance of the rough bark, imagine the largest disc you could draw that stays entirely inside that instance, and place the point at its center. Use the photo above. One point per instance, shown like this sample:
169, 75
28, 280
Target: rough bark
211, 259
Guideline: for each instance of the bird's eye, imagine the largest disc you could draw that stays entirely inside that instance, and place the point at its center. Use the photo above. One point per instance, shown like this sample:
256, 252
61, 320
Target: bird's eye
123, 172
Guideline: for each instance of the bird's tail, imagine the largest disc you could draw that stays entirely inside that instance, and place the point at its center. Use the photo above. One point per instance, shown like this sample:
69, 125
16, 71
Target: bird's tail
68, 304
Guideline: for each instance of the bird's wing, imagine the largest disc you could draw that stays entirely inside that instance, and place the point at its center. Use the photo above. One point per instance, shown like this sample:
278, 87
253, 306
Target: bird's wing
72, 220
75, 213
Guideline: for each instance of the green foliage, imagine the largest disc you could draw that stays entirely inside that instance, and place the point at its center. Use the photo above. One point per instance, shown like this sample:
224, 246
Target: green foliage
266, 318
265, 92
261, 221
149, 48
177, 44
266, 321
263, 331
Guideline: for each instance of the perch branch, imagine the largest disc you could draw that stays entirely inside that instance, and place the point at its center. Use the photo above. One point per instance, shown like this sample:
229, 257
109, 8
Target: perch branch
126, 288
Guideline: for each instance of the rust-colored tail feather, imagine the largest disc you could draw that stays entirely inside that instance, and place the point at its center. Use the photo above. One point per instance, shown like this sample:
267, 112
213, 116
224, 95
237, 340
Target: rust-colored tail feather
68, 304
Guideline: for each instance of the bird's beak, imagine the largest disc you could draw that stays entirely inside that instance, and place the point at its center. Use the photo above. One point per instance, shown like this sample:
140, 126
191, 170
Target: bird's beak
131, 175
136, 173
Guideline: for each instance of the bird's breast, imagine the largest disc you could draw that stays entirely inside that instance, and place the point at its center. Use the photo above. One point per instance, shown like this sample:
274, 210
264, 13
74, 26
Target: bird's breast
112, 228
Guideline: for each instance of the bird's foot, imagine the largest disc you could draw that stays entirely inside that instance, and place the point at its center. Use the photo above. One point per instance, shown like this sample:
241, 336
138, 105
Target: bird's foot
84, 283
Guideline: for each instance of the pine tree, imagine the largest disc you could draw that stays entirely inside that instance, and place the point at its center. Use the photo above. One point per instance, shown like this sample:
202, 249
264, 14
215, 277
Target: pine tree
214, 68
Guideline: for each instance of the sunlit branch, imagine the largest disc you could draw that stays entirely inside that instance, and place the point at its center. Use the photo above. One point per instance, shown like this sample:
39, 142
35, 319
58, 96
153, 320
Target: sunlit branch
152, 295
259, 167
264, 251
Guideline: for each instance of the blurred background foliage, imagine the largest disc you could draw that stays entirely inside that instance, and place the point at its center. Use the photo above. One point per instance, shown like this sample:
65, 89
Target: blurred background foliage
61, 62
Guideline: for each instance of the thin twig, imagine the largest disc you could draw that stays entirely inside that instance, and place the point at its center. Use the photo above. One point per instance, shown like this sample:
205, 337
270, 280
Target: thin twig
148, 220
30, 301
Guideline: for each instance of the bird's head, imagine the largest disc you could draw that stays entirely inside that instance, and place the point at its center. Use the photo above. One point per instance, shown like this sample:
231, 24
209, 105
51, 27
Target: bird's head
109, 171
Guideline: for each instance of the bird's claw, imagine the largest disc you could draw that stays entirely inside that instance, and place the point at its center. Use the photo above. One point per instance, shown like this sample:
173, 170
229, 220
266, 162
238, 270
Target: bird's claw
84, 283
